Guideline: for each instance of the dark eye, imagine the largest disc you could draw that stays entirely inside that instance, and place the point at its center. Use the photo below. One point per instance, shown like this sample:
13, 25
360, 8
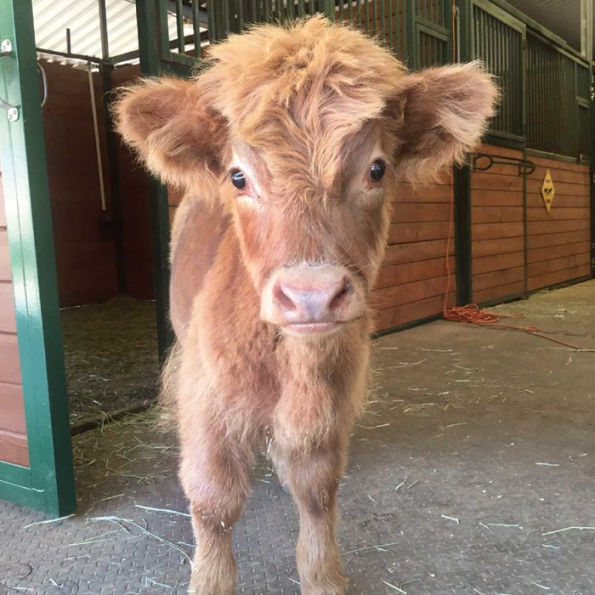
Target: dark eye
238, 179
377, 170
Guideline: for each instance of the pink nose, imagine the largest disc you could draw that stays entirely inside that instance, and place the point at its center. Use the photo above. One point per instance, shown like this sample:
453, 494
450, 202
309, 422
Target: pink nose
305, 302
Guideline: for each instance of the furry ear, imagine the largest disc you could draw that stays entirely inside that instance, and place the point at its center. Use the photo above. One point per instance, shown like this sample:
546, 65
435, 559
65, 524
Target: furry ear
443, 112
170, 123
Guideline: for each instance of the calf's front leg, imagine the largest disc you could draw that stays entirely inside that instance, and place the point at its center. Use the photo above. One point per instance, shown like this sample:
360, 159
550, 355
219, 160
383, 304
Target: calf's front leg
313, 478
215, 476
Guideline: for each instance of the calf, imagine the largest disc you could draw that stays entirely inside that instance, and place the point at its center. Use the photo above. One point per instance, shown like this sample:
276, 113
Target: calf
288, 147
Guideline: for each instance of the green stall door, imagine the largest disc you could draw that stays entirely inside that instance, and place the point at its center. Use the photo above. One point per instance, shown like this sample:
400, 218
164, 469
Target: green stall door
35, 449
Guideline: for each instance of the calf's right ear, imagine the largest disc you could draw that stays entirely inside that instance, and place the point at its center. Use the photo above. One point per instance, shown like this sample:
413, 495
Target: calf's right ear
171, 125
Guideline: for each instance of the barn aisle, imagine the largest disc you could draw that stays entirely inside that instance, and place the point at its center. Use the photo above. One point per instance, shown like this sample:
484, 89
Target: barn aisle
472, 472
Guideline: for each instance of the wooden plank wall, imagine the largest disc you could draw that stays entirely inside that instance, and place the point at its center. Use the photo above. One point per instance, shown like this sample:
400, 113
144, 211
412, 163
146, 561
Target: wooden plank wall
497, 233
413, 279
84, 243
83, 236
558, 242
13, 435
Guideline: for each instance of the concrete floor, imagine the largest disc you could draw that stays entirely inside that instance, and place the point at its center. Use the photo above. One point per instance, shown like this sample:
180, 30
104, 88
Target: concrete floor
472, 472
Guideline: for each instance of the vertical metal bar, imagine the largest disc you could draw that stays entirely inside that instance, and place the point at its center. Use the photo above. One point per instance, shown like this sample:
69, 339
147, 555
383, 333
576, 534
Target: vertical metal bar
381, 17
150, 38
68, 41
240, 15
301, 8
196, 28
412, 37
329, 9
180, 27
211, 10
291, 9
226, 18
375, 15
103, 30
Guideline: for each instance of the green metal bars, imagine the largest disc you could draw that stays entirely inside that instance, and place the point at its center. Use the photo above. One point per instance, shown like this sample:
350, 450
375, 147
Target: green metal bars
430, 35
558, 100
497, 40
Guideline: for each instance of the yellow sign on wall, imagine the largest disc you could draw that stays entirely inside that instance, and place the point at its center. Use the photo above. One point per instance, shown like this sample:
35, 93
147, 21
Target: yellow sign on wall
548, 190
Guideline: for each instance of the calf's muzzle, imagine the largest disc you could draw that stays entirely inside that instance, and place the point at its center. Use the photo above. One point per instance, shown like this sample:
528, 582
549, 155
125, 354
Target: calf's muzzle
312, 298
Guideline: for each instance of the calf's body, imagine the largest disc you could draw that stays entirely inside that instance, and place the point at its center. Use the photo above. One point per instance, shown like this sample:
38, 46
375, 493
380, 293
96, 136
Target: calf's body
289, 147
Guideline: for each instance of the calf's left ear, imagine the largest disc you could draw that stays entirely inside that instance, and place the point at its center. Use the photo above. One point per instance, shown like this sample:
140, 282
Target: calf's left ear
443, 112
171, 125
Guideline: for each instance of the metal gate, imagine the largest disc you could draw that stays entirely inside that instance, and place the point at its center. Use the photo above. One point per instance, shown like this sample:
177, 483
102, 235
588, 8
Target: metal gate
43, 479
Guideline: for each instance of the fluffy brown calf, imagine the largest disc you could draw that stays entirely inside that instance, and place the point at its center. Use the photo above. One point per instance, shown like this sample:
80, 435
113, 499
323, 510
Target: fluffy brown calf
288, 147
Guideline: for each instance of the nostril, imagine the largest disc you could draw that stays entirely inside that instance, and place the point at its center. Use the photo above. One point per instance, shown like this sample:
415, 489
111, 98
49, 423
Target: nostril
283, 299
346, 288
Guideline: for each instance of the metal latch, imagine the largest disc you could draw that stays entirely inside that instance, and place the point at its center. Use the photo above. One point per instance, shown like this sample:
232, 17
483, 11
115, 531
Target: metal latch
12, 111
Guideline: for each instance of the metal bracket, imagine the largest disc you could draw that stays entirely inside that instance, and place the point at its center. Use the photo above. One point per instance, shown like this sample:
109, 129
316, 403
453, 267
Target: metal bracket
525, 167
12, 111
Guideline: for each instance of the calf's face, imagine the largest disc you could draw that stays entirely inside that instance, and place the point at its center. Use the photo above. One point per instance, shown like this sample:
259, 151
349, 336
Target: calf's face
312, 245
302, 133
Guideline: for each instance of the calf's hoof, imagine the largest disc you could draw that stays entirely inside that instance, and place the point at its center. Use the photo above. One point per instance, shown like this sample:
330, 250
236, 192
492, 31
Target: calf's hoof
205, 581
338, 590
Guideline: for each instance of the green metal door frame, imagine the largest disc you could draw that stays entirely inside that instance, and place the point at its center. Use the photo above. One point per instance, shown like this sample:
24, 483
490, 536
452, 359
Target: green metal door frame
48, 483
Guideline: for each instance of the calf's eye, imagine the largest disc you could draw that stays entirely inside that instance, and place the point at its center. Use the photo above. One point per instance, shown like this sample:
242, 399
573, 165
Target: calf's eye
377, 170
238, 179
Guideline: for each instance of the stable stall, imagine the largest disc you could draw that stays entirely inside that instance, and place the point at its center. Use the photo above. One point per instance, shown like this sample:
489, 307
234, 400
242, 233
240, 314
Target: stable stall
84, 226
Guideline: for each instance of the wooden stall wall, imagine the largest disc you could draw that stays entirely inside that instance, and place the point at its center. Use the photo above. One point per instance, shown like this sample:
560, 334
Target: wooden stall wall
559, 241
13, 435
413, 276
84, 242
497, 229
135, 209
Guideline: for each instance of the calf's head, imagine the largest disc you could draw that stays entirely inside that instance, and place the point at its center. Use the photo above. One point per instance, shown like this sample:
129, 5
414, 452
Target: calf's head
302, 132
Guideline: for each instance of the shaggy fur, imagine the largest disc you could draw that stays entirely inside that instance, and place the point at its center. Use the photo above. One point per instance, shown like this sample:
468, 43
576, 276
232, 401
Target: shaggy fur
270, 283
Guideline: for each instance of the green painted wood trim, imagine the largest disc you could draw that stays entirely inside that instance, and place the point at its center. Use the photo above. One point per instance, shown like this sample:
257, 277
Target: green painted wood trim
25, 496
11, 473
22, 154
